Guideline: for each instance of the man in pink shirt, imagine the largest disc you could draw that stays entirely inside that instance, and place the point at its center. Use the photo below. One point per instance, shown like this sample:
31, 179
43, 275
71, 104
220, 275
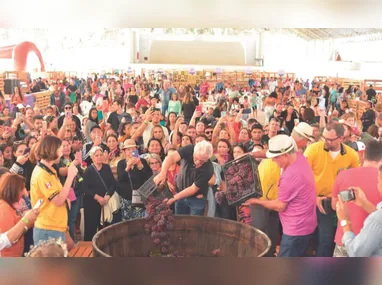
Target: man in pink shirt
296, 202
366, 178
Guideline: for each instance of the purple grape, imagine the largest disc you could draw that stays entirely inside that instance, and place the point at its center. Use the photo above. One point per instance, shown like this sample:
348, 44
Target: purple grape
164, 249
156, 241
216, 252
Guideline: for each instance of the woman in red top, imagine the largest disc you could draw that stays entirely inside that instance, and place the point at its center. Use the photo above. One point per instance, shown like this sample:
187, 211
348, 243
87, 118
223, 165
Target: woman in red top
12, 190
144, 101
17, 97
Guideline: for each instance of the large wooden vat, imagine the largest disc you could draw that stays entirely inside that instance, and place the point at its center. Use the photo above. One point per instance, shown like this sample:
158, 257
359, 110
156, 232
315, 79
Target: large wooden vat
192, 236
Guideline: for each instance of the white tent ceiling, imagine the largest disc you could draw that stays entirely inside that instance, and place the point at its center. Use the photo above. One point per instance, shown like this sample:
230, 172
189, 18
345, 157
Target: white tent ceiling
97, 36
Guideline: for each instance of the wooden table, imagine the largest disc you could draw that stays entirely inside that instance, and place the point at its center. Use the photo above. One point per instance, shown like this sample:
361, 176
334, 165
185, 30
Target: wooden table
83, 249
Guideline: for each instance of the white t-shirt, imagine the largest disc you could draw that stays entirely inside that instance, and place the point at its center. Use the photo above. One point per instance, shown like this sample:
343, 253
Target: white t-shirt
321, 103
334, 154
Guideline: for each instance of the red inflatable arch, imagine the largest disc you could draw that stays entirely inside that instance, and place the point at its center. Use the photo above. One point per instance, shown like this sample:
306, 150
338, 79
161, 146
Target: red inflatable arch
19, 54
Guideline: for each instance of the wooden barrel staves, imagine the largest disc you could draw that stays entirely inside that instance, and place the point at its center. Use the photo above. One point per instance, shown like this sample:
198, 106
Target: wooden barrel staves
192, 236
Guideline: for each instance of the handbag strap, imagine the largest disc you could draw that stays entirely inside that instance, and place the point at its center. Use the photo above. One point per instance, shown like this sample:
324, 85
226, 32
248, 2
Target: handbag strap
99, 175
131, 184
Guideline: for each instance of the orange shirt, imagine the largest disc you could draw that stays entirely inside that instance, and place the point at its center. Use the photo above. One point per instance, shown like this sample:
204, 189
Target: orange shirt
94, 87
122, 139
8, 219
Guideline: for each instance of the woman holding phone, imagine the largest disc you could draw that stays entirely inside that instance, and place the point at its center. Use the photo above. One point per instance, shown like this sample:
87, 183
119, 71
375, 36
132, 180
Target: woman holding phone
24, 167
74, 196
133, 172
12, 210
22, 164
114, 155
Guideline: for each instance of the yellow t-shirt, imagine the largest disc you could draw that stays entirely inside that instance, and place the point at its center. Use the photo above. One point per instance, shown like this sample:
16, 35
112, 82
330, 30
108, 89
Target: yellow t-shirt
46, 185
325, 168
269, 173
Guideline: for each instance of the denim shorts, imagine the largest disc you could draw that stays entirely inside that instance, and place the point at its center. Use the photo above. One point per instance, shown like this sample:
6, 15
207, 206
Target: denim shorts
40, 235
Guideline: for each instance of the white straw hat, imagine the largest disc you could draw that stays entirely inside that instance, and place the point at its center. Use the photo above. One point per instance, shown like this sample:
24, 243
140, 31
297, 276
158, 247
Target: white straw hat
280, 145
305, 130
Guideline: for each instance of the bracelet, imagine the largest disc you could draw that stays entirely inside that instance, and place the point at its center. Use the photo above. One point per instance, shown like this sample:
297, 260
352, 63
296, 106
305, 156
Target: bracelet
146, 122
25, 220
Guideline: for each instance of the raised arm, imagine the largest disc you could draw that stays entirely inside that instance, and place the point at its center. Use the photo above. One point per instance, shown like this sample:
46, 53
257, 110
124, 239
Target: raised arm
139, 132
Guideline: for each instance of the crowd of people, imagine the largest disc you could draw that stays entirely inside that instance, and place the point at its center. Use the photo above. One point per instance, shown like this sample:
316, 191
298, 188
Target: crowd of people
74, 167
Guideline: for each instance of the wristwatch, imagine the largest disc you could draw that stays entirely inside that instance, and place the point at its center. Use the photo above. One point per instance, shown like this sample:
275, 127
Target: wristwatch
344, 223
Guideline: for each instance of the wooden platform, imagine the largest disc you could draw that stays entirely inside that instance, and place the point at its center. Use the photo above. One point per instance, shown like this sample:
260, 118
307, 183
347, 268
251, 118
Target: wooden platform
83, 249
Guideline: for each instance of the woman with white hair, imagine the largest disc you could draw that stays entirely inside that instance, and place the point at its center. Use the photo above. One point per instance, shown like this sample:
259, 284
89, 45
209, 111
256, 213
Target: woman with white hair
155, 162
196, 170
98, 186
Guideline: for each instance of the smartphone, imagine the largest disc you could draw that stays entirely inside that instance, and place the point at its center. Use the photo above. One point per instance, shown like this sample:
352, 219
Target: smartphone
44, 125
198, 108
135, 153
18, 115
68, 114
347, 195
27, 150
38, 204
223, 114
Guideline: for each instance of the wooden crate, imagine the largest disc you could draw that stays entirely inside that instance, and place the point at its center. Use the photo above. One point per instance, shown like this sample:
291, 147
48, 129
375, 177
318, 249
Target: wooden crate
2, 82
83, 249
42, 99
56, 75
328, 80
361, 106
377, 83
346, 82
20, 75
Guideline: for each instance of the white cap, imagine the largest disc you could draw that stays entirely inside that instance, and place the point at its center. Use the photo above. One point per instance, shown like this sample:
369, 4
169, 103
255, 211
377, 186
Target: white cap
361, 146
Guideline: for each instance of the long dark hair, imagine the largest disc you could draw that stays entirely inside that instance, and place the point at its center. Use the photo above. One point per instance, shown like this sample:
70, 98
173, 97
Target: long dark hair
230, 149
122, 128
162, 155
20, 93
168, 118
117, 150
90, 117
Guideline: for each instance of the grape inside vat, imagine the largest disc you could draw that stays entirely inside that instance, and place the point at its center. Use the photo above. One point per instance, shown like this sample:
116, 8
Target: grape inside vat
191, 236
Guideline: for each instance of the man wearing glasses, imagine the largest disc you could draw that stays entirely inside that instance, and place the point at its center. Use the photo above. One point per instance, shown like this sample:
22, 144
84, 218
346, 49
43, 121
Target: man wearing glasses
68, 107
328, 158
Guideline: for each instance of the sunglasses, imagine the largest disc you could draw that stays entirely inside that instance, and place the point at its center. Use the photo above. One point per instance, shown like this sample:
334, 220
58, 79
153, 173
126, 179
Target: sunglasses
154, 163
209, 132
68, 108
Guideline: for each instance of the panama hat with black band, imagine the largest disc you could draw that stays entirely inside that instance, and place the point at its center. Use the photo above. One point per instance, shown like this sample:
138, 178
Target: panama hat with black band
305, 130
280, 145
